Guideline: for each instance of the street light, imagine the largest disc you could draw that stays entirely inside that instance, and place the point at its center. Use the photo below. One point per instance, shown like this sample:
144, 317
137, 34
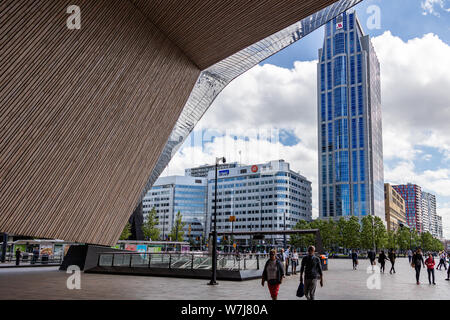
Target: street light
214, 244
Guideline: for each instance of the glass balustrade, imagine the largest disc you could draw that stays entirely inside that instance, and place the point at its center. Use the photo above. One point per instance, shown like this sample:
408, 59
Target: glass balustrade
194, 261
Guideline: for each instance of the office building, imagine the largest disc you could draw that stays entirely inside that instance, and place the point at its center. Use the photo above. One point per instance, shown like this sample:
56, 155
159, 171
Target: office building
268, 196
351, 180
174, 194
202, 171
429, 216
438, 228
412, 194
394, 208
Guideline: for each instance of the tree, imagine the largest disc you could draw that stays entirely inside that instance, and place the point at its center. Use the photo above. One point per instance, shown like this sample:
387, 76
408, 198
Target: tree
437, 245
404, 238
327, 230
426, 241
151, 232
340, 232
380, 233
126, 232
351, 231
302, 241
176, 234
367, 232
392, 239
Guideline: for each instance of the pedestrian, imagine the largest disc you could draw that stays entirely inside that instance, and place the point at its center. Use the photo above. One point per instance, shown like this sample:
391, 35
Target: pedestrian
313, 271
430, 267
448, 274
371, 256
392, 256
354, 259
382, 260
282, 257
441, 261
35, 255
417, 263
273, 273
287, 258
410, 254
18, 255
294, 261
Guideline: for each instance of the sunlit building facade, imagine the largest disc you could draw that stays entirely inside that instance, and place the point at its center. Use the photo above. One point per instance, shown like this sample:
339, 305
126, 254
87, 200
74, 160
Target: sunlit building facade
351, 180
172, 194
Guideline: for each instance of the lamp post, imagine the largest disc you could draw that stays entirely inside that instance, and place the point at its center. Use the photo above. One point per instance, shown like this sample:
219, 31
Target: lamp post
214, 244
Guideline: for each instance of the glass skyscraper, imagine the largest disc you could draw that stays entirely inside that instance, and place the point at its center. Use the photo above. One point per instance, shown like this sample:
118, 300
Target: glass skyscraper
351, 180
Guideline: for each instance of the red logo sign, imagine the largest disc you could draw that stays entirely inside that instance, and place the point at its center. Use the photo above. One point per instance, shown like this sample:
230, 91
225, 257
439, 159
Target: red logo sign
254, 168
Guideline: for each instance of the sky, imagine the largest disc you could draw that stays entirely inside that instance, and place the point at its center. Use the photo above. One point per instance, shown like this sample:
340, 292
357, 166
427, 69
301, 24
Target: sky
270, 112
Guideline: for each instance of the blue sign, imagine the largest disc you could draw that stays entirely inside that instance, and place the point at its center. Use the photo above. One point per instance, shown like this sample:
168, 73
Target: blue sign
224, 173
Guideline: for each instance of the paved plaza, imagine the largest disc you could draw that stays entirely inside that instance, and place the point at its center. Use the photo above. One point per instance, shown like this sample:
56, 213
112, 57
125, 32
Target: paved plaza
341, 282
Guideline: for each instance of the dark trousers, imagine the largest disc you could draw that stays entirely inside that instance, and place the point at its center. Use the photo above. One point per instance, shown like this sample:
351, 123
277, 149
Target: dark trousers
418, 272
392, 266
383, 263
409, 258
17, 261
442, 263
355, 263
430, 273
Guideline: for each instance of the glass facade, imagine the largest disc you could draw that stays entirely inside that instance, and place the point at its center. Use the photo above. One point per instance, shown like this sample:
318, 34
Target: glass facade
350, 145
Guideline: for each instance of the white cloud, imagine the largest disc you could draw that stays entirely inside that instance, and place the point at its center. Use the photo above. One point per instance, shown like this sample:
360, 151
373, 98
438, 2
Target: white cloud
415, 79
429, 7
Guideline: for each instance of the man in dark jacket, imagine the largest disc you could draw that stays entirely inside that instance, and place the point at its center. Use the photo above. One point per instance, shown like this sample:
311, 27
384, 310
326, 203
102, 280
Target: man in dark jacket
313, 271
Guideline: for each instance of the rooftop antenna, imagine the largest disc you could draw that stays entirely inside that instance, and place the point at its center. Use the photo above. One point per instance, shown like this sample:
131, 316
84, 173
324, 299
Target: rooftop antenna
240, 159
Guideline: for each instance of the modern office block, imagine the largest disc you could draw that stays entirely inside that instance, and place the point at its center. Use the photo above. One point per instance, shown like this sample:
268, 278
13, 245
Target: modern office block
394, 208
412, 194
202, 171
351, 179
173, 194
268, 196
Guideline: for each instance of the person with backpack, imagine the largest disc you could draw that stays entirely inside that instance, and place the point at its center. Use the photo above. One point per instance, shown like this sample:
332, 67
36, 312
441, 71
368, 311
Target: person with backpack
392, 256
417, 262
354, 259
273, 273
382, 260
430, 267
313, 270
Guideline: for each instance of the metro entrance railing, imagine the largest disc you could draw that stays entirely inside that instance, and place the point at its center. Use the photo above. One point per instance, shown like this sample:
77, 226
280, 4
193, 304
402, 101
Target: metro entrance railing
193, 261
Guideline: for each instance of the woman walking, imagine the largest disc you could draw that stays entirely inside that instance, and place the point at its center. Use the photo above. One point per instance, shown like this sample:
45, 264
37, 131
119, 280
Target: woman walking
392, 256
430, 267
382, 260
294, 261
417, 263
273, 273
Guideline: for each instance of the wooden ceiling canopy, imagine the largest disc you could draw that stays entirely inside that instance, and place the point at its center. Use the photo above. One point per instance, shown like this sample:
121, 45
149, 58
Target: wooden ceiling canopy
85, 113
208, 31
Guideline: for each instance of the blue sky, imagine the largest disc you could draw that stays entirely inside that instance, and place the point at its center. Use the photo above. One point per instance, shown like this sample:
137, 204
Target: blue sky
404, 18
413, 46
